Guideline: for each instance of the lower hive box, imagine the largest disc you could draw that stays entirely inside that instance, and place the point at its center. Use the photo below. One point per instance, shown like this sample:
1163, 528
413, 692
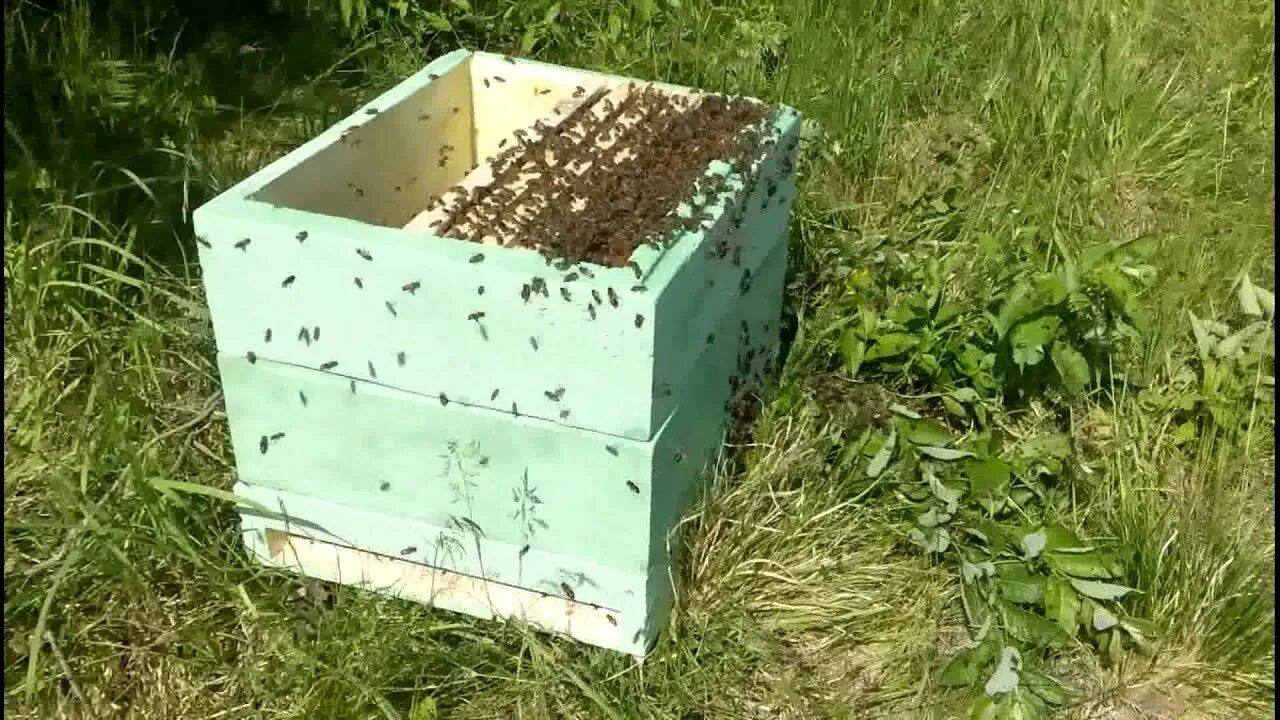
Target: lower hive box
479, 511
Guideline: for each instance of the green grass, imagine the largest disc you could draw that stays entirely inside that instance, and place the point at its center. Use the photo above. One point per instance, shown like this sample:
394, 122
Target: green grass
989, 138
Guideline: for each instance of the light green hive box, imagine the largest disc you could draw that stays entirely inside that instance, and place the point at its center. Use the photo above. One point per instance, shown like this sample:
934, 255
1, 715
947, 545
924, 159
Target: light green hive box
430, 461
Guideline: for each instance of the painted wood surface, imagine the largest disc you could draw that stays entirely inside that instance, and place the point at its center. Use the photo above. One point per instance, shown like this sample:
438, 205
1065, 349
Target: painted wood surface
323, 279
513, 478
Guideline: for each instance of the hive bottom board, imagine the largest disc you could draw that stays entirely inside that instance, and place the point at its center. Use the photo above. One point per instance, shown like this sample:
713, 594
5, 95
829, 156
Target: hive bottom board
346, 505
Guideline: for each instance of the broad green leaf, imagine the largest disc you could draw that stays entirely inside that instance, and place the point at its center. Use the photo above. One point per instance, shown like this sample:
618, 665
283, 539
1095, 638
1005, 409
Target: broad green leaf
904, 411
958, 672
1030, 627
1058, 537
934, 539
1204, 342
1005, 677
1071, 366
950, 496
1103, 619
932, 518
1019, 586
987, 476
1029, 298
1100, 590
1051, 445
881, 460
971, 572
852, 351
1267, 300
1248, 297
1082, 565
890, 345
1034, 543
939, 453
1115, 649
925, 432
984, 708
1061, 604
1230, 346
966, 666
1027, 355
1036, 333
1045, 687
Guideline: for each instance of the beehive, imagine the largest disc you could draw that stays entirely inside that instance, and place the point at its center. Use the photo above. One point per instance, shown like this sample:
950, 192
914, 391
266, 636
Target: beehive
431, 401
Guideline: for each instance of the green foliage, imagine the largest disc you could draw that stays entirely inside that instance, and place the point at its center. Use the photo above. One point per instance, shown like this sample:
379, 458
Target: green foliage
1030, 584
1024, 335
1233, 370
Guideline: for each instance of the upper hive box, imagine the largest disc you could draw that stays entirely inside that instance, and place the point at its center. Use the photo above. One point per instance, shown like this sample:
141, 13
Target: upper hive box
509, 235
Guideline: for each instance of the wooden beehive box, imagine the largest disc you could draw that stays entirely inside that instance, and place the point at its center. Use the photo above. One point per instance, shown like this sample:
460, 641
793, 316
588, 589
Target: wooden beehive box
445, 358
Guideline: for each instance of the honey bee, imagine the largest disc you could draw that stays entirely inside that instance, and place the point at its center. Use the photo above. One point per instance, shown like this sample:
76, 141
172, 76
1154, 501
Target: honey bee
639, 320
444, 399
639, 288
568, 591
612, 620
534, 342
554, 396
432, 76
241, 245
359, 283
613, 297
400, 358
579, 91
364, 254
372, 372
477, 315
266, 337
595, 295
203, 243
302, 235
303, 397
564, 293
263, 443
570, 277
633, 487
612, 449
391, 308
409, 550
411, 287
276, 436
326, 366
486, 82
371, 111
525, 292
523, 551
478, 257
564, 414
635, 268
385, 486
251, 356
288, 281
494, 395
591, 311
305, 336
499, 78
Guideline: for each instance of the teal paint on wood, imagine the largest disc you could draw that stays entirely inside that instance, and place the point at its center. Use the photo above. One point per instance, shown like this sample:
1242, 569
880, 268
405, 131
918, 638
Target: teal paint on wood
396, 389
408, 307
516, 479
588, 529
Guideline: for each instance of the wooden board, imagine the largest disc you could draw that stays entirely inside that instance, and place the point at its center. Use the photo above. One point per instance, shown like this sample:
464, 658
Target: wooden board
441, 588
